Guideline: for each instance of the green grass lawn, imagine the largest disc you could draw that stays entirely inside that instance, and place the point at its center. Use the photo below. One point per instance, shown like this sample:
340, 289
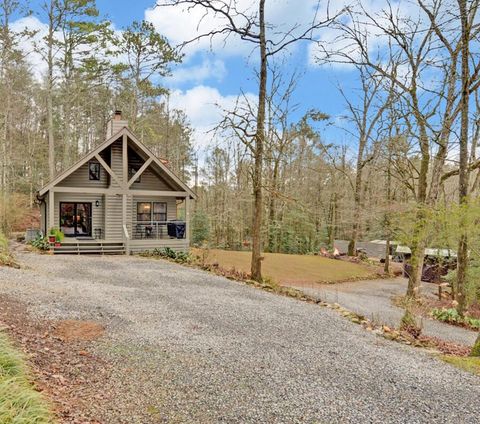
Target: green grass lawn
20, 403
467, 363
292, 269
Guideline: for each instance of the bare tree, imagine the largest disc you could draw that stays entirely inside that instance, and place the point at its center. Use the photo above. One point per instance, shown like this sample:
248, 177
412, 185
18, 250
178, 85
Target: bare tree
365, 115
252, 27
413, 46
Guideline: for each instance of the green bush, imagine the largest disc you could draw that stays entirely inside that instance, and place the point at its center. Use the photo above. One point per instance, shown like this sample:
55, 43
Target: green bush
200, 228
40, 243
451, 315
169, 253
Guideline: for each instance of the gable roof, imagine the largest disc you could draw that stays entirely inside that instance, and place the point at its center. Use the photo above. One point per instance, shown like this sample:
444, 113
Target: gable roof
124, 131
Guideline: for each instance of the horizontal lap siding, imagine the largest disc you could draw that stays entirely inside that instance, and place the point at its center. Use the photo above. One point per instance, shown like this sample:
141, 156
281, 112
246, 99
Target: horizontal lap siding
114, 207
80, 178
136, 246
170, 201
113, 217
97, 212
108, 216
116, 162
143, 245
150, 181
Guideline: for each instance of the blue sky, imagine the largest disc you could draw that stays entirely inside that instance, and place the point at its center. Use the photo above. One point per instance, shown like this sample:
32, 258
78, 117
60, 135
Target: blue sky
218, 75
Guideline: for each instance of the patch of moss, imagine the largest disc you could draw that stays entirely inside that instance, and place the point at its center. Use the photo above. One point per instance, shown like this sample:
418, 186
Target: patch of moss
466, 363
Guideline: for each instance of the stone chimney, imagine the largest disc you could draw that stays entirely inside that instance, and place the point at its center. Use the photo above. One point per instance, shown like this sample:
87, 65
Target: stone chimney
116, 123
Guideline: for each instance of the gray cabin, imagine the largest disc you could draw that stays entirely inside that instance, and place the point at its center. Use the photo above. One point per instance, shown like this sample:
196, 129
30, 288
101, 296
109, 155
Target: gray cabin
119, 198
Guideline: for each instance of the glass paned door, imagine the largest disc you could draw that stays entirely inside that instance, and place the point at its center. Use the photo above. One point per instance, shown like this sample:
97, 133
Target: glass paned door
76, 219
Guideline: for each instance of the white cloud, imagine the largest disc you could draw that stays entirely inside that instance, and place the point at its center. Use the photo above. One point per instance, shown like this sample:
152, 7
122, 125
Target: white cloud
33, 24
204, 107
208, 69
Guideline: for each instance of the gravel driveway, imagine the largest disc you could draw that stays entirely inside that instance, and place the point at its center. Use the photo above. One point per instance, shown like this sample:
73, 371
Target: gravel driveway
192, 347
373, 299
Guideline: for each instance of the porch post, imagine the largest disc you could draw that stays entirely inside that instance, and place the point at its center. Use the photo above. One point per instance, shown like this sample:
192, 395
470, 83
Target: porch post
187, 220
51, 210
125, 162
126, 238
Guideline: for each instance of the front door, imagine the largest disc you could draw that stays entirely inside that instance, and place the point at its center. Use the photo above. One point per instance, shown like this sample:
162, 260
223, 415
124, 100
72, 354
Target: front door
76, 219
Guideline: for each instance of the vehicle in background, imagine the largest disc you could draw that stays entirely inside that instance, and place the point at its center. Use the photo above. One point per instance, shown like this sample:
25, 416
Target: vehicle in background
436, 263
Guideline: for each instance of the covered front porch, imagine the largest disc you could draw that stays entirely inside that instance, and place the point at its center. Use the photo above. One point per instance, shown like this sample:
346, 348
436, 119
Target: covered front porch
139, 221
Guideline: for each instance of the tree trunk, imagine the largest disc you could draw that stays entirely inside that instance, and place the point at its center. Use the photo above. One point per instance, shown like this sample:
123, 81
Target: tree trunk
357, 202
386, 267
332, 221
418, 243
362, 142
463, 175
51, 141
256, 266
417, 253
272, 235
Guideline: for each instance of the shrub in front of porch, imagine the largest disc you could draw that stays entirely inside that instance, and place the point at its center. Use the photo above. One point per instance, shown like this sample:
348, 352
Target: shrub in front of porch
169, 253
41, 243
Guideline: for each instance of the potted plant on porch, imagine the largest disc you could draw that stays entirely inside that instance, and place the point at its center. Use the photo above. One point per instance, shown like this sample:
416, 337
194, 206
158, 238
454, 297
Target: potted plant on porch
56, 237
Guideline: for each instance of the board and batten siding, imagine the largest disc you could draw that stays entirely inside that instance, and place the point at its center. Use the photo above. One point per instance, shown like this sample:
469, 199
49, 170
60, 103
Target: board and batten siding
97, 212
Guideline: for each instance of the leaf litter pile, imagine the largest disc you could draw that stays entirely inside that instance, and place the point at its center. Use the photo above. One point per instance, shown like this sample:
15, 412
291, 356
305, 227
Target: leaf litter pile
64, 369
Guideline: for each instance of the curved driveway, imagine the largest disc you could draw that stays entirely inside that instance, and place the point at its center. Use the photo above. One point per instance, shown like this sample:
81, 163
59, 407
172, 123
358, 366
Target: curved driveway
192, 347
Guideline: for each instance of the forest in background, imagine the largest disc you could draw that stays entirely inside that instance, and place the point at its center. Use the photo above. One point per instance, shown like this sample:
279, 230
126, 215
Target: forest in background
409, 170
49, 121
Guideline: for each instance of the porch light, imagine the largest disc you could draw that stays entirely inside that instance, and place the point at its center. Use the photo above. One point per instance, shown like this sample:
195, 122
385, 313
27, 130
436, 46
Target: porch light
97, 203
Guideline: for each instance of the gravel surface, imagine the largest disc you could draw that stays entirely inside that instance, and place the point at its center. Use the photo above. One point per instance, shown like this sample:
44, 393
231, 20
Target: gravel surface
188, 346
373, 299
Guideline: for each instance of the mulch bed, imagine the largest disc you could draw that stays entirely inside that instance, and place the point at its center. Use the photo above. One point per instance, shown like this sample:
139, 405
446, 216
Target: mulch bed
71, 377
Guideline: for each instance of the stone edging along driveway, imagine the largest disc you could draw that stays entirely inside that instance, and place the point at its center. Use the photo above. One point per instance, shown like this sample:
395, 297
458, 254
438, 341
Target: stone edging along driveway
373, 299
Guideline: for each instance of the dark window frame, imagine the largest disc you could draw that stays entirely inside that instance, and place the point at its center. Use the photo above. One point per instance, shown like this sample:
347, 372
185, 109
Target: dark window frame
142, 215
75, 213
96, 175
159, 213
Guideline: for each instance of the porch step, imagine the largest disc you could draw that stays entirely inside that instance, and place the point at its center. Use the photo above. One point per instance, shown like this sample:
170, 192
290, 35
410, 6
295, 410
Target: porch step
90, 247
